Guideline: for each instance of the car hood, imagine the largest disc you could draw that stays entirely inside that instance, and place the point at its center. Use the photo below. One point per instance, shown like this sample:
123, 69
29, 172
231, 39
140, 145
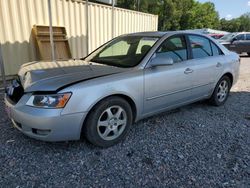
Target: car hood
52, 76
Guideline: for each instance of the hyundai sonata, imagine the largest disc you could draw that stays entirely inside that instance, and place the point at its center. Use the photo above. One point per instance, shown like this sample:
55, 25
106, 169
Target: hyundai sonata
127, 79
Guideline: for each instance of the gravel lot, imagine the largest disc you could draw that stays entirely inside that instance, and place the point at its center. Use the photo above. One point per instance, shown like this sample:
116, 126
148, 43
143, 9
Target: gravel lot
195, 146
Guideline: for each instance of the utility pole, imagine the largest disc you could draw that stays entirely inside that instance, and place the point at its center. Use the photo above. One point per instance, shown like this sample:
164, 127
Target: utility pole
113, 18
51, 32
87, 26
2, 70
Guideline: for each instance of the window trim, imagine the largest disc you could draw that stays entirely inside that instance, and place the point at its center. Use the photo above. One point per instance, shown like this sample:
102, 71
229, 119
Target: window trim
190, 53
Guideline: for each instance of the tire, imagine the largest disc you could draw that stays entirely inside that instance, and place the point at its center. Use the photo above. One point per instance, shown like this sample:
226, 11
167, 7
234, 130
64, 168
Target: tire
248, 53
108, 122
221, 91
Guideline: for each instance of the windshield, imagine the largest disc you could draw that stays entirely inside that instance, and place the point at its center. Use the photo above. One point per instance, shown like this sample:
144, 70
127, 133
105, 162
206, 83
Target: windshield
228, 37
125, 51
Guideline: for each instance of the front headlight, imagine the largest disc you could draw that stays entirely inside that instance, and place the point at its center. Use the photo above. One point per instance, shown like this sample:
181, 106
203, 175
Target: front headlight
49, 101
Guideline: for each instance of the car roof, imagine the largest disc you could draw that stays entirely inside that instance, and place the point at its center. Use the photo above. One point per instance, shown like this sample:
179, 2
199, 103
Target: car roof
243, 33
162, 33
149, 34
237, 33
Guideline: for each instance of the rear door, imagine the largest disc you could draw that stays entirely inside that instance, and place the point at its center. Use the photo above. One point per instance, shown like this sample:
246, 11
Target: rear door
246, 43
206, 66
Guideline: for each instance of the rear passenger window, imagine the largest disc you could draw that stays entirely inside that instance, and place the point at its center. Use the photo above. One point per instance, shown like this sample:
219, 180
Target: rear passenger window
200, 46
216, 50
174, 48
247, 36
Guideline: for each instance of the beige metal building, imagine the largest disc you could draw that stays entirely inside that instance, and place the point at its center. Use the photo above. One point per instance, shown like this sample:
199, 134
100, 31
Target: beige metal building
17, 18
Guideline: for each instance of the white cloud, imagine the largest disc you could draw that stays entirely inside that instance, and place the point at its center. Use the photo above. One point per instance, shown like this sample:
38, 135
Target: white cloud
248, 3
229, 17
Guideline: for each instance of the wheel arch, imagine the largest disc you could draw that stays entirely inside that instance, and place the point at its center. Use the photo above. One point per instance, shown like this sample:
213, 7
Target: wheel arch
130, 101
230, 76
123, 96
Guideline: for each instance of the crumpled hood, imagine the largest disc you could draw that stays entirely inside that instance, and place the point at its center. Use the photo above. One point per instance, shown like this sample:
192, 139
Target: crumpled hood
51, 76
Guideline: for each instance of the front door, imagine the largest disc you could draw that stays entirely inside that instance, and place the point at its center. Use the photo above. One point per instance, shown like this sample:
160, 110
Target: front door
170, 85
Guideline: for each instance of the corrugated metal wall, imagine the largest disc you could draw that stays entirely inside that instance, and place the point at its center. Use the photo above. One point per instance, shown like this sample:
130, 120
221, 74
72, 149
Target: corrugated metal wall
17, 18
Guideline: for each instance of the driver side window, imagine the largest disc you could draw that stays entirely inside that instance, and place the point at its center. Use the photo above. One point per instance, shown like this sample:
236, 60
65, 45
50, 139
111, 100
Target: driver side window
174, 48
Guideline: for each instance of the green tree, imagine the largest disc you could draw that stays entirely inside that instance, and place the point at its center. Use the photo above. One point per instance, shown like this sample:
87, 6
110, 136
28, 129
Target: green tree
237, 24
187, 14
204, 16
244, 22
127, 4
177, 14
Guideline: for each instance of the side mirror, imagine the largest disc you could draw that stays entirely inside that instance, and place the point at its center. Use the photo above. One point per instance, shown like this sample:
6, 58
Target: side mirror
161, 60
234, 39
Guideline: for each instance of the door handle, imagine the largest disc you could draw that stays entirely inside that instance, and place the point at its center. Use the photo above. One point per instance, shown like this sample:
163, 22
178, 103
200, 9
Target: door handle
188, 71
218, 64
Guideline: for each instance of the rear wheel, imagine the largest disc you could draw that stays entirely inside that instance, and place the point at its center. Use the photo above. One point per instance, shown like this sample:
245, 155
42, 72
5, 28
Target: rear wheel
221, 91
108, 122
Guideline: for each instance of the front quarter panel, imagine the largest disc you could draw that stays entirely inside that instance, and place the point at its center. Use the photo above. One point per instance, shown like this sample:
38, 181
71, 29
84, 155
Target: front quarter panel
88, 93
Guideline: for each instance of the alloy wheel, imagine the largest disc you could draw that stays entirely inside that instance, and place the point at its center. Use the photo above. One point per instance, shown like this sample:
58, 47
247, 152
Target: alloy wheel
222, 91
112, 123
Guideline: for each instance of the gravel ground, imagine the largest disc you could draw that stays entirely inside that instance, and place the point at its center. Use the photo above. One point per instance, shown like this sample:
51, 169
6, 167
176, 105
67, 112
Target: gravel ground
194, 146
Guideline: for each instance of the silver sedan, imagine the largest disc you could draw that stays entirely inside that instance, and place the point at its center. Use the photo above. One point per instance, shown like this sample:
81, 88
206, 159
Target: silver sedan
127, 79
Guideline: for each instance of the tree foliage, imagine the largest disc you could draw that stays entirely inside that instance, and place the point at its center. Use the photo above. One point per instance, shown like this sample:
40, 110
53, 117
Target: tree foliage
236, 25
187, 14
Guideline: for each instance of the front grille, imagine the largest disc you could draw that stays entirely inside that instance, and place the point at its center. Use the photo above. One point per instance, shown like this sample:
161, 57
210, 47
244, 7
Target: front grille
15, 91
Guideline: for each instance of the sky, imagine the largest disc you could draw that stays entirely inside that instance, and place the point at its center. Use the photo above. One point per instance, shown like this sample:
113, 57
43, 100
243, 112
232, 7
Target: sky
230, 9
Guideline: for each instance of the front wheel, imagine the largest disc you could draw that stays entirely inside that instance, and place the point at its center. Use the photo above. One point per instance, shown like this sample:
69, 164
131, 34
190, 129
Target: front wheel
108, 122
221, 91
